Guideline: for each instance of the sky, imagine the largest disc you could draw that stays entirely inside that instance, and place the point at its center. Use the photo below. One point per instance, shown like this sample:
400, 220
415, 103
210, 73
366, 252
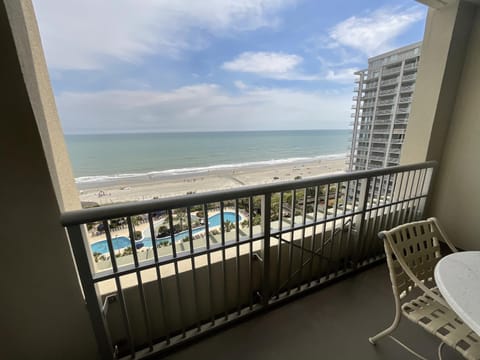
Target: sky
214, 65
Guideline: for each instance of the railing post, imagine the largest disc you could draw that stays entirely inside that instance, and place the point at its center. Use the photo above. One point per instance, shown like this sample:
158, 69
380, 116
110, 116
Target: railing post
266, 249
93, 302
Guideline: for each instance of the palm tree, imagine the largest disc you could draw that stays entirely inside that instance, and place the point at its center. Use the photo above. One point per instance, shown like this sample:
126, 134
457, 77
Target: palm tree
180, 216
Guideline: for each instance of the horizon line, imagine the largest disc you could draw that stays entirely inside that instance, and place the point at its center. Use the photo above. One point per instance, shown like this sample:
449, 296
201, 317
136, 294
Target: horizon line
190, 131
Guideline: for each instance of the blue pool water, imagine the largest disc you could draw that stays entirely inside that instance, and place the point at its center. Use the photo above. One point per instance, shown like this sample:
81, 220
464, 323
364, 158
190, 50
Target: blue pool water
118, 243
123, 241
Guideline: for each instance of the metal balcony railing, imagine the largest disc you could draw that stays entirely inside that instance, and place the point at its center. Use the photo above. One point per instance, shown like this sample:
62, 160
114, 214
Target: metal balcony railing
405, 99
410, 66
407, 88
384, 112
403, 110
387, 92
204, 260
389, 82
409, 77
386, 102
391, 71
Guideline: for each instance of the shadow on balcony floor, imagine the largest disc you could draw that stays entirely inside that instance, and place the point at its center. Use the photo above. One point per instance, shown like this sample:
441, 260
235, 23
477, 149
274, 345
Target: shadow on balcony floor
332, 323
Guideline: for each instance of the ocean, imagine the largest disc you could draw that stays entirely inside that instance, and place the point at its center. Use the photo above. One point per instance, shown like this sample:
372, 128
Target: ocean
106, 157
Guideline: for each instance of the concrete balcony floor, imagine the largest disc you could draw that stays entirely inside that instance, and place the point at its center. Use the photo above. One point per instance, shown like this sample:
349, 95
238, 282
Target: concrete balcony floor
332, 323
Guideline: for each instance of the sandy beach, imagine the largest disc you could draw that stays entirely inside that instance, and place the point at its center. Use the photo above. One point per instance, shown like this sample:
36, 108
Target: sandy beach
137, 189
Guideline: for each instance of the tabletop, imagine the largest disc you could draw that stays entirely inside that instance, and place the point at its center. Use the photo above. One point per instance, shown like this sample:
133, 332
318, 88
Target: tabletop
458, 278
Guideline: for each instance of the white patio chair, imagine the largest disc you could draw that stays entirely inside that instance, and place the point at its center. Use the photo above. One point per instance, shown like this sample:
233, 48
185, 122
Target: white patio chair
412, 251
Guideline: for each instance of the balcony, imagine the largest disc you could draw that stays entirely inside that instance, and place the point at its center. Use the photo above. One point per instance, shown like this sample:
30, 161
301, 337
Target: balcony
406, 99
391, 71
384, 112
287, 239
48, 315
403, 110
410, 66
293, 331
409, 77
407, 88
389, 82
387, 92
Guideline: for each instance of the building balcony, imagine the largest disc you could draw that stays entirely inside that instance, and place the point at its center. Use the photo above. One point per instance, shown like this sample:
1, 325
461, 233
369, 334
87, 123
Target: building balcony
389, 82
391, 71
369, 95
368, 104
407, 88
311, 237
384, 112
410, 66
409, 77
401, 110
406, 99
293, 331
387, 92
386, 102
267, 244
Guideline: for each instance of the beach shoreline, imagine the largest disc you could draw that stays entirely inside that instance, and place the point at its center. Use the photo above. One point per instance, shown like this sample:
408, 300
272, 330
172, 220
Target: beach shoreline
140, 188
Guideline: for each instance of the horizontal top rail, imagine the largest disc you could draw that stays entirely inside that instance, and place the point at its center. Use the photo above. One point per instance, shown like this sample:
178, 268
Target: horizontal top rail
82, 216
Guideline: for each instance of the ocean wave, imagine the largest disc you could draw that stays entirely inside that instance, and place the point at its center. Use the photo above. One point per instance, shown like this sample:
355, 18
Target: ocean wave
204, 169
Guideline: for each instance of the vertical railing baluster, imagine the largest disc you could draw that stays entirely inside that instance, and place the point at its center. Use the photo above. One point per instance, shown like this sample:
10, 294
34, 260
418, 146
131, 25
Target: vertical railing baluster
209, 262
250, 257
292, 237
302, 240
237, 258
345, 205
352, 223
374, 239
280, 235
418, 193
403, 203
175, 266
364, 192
161, 289
314, 237
390, 215
93, 301
266, 225
194, 270
224, 264
322, 240
118, 284
144, 305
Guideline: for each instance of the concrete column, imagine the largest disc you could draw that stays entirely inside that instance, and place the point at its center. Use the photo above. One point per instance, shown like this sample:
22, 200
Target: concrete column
440, 68
43, 311
444, 123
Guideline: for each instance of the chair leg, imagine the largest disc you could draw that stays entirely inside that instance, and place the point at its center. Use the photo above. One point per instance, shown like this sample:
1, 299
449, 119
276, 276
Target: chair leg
392, 327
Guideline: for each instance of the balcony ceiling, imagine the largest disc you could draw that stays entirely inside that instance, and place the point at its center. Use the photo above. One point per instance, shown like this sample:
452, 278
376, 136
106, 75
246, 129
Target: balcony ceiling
438, 4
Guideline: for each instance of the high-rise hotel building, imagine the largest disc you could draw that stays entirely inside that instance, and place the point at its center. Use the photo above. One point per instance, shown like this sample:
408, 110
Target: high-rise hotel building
383, 95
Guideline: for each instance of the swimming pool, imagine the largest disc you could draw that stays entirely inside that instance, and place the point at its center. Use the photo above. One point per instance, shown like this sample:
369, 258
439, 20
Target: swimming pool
118, 243
122, 242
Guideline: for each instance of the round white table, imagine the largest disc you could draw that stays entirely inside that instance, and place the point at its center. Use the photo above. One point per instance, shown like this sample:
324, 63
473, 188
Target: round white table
458, 278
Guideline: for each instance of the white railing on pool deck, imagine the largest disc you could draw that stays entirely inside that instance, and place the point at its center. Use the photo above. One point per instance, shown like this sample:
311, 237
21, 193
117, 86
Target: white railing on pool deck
293, 236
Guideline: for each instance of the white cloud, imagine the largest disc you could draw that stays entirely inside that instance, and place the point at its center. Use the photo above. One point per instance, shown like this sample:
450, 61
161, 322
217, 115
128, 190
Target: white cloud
263, 63
240, 84
341, 75
202, 107
88, 34
374, 33
273, 65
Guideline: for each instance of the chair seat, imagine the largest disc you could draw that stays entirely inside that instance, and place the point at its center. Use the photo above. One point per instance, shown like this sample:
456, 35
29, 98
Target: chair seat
443, 323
